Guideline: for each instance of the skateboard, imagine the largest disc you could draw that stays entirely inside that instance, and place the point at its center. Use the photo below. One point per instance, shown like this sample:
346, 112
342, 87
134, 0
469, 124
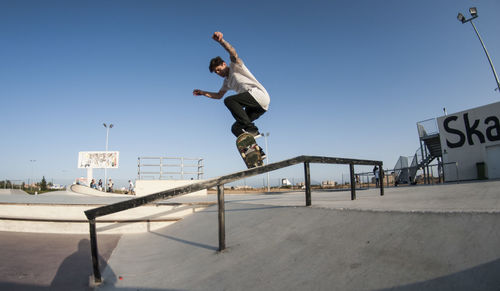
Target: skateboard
249, 150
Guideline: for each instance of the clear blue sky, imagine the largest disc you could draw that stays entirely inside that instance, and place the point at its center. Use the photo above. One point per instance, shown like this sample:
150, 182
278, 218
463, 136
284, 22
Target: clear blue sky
346, 79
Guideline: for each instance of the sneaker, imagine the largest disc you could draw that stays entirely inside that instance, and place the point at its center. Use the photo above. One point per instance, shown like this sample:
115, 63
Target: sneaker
263, 154
255, 133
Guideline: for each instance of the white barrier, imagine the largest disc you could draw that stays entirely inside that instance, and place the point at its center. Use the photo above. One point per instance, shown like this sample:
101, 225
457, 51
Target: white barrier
146, 187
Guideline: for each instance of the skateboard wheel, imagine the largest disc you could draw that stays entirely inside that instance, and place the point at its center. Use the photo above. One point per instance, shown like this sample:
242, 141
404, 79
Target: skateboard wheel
243, 155
257, 148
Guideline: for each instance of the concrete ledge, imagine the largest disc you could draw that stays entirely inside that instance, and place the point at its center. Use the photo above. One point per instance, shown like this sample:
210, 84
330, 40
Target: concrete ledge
81, 189
12, 191
82, 227
146, 187
76, 212
59, 218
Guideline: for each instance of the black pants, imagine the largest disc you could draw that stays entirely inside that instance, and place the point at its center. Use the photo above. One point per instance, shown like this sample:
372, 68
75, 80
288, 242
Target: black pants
245, 110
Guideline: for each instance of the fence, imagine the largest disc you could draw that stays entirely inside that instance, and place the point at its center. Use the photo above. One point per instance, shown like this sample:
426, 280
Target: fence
434, 175
11, 184
160, 168
427, 127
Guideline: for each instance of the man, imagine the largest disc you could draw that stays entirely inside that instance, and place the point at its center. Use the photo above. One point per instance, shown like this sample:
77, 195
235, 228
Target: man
130, 188
376, 173
252, 99
110, 185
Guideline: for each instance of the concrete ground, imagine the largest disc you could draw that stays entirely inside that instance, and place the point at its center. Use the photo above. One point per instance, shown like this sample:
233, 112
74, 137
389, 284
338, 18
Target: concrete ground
443, 237
463, 197
49, 261
414, 238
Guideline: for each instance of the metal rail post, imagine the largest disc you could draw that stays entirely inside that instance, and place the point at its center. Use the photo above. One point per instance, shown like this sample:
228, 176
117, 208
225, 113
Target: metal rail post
222, 221
353, 182
161, 167
93, 250
138, 168
307, 174
381, 174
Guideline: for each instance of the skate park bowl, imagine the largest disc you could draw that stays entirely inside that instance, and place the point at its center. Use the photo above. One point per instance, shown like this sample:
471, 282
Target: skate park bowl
62, 212
12, 191
85, 190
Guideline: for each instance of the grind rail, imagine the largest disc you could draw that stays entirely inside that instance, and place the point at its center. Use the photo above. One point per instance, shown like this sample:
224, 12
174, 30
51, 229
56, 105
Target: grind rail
219, 182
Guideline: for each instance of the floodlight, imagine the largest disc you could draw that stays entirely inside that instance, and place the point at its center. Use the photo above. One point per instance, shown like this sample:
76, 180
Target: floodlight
461, 17
473, 11
111, 126
105, 125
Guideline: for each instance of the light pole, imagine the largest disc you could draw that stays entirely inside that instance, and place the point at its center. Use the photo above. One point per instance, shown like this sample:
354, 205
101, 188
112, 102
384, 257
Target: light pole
267, 160
473, 13
106, 166
32, 172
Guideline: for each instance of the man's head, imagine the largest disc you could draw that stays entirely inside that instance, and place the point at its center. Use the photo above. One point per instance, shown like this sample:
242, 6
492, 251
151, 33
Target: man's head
218, 66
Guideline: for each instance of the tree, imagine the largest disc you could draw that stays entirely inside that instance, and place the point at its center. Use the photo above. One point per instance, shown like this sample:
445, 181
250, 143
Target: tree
43, 184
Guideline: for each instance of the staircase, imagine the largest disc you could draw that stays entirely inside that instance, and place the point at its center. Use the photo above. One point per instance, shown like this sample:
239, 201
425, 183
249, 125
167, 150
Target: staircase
419, 164
433, 144
429, 150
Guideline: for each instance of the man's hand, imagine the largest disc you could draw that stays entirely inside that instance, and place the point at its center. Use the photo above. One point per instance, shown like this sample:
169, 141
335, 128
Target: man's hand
217, 36
197, 92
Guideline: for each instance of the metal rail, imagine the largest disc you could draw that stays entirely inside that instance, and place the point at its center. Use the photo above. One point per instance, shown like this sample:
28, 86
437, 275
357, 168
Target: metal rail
219, 182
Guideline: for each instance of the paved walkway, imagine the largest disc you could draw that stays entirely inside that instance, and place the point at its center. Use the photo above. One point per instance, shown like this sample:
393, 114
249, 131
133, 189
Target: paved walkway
443, 237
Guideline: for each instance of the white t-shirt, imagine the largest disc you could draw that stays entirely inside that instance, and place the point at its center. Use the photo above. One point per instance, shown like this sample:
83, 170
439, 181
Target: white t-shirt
241, 80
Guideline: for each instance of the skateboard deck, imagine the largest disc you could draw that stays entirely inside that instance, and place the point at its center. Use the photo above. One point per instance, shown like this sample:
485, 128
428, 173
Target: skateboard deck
249, 150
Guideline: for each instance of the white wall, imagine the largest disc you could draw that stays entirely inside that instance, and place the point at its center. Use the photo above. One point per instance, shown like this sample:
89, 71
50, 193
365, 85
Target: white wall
471, 137
145, 187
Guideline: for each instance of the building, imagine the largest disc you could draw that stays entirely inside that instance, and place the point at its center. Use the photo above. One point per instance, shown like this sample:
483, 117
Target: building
466, 146
470, 143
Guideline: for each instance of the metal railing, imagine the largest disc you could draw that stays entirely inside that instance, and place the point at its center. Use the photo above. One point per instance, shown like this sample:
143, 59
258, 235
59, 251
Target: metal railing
219, 182
11, 184
158, 168
432, 175
367, 178
427, 127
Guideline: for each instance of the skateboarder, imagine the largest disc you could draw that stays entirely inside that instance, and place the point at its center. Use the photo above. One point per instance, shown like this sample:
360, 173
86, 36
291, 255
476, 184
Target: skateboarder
252, 99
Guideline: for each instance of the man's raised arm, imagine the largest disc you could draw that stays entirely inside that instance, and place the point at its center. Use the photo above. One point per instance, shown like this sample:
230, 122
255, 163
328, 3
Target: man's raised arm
218, 37
213, 95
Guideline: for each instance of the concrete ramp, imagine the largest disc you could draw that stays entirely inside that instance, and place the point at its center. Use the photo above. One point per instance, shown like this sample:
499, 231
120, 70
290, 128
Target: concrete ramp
304, 248
62, 212
81, 189
12, 191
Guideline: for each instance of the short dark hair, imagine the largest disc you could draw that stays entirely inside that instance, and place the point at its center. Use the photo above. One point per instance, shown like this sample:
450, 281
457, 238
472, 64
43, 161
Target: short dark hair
214, 63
